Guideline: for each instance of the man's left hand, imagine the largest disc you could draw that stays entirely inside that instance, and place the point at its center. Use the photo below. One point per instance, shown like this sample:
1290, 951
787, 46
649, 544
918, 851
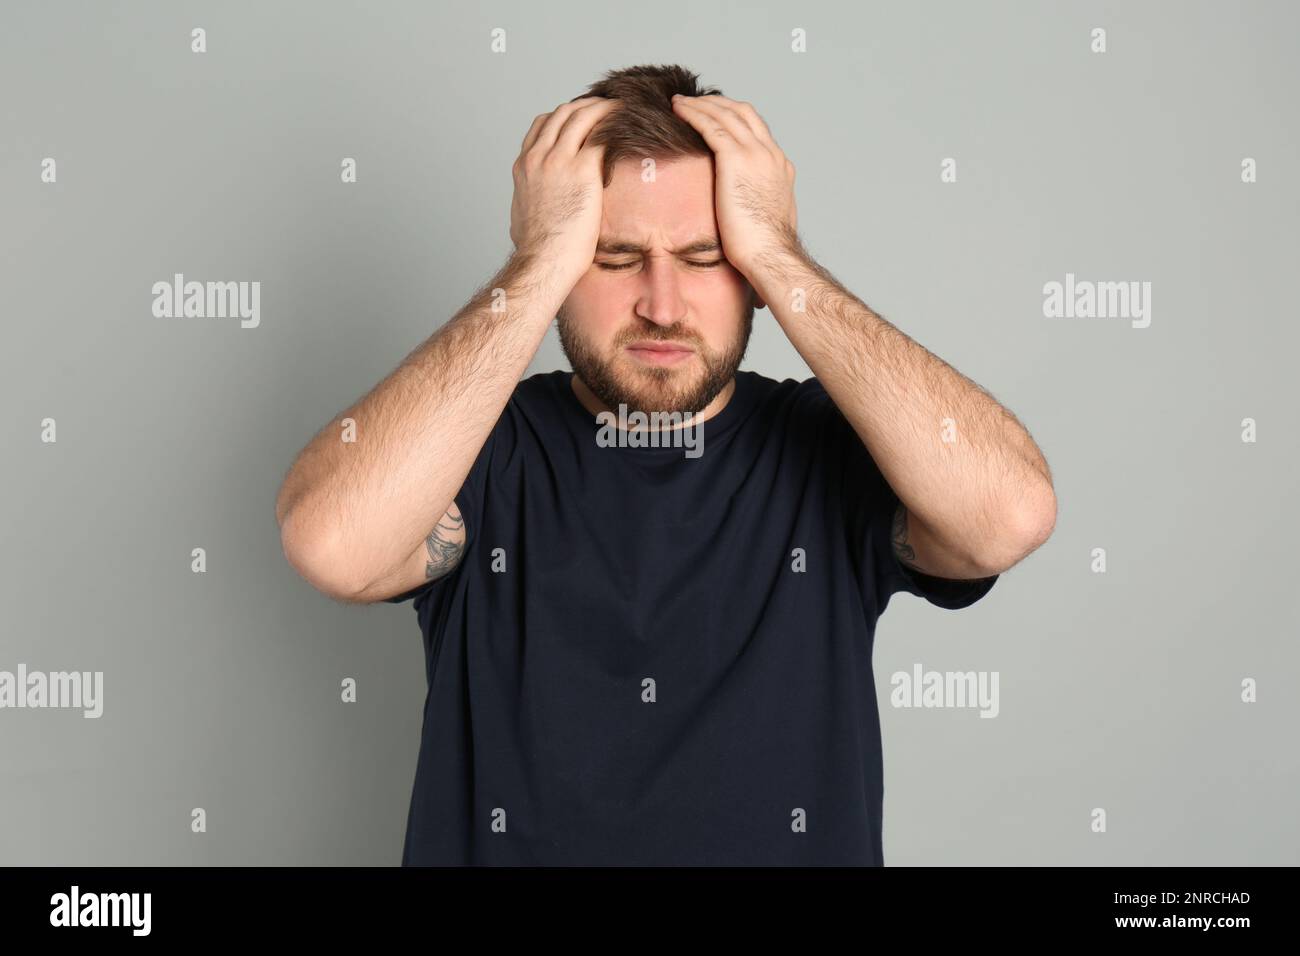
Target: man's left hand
754, 181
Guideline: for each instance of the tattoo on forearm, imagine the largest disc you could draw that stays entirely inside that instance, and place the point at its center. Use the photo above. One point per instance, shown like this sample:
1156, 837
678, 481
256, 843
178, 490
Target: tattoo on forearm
905, 552
444, 544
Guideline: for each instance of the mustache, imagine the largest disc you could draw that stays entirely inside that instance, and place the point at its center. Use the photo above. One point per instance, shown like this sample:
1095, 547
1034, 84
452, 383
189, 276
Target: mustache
658, 336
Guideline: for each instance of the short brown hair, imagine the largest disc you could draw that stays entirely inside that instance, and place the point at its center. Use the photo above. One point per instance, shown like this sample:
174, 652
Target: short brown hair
645, 124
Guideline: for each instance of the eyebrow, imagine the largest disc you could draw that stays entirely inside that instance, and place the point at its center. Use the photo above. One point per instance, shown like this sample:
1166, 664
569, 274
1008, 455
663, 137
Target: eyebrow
613, 247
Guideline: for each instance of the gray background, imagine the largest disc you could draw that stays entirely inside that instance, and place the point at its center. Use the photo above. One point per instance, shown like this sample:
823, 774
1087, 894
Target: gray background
1118, 690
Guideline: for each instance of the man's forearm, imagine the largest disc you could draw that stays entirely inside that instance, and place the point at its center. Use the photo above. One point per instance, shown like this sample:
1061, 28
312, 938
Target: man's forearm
359, 508
957, 458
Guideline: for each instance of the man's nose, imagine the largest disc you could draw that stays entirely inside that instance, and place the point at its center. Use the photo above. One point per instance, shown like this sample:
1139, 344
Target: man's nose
661, 299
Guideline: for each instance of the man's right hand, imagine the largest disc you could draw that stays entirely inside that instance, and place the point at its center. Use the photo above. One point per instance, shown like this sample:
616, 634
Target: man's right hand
556, 211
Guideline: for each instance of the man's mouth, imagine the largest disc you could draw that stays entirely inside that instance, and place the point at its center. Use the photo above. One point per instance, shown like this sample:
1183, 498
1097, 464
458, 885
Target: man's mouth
659, 353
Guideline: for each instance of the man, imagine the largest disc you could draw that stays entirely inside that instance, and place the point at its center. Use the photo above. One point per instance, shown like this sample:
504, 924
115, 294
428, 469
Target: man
656, 649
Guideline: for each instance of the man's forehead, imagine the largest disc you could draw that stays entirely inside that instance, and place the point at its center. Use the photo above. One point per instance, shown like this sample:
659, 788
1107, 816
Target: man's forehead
672, 207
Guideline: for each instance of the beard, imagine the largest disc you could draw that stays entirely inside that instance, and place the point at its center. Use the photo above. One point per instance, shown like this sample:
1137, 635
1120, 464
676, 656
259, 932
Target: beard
686, 388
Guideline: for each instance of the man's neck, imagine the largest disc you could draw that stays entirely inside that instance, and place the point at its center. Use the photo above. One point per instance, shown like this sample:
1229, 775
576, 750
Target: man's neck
594, 405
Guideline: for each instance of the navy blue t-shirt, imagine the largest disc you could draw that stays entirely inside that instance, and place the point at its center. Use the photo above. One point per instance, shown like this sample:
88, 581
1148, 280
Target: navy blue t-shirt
648, 658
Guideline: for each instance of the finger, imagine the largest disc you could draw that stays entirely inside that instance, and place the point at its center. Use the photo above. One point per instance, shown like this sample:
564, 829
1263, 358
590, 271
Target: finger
580, 124
716, 123
550, 130
531, 136
750, 115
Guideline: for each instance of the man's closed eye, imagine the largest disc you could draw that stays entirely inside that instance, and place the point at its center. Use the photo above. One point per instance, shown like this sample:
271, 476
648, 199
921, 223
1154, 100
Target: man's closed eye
620, 266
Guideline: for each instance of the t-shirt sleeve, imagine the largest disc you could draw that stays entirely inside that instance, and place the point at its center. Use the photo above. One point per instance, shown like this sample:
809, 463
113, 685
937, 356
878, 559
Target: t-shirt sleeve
870, 506
470, 500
